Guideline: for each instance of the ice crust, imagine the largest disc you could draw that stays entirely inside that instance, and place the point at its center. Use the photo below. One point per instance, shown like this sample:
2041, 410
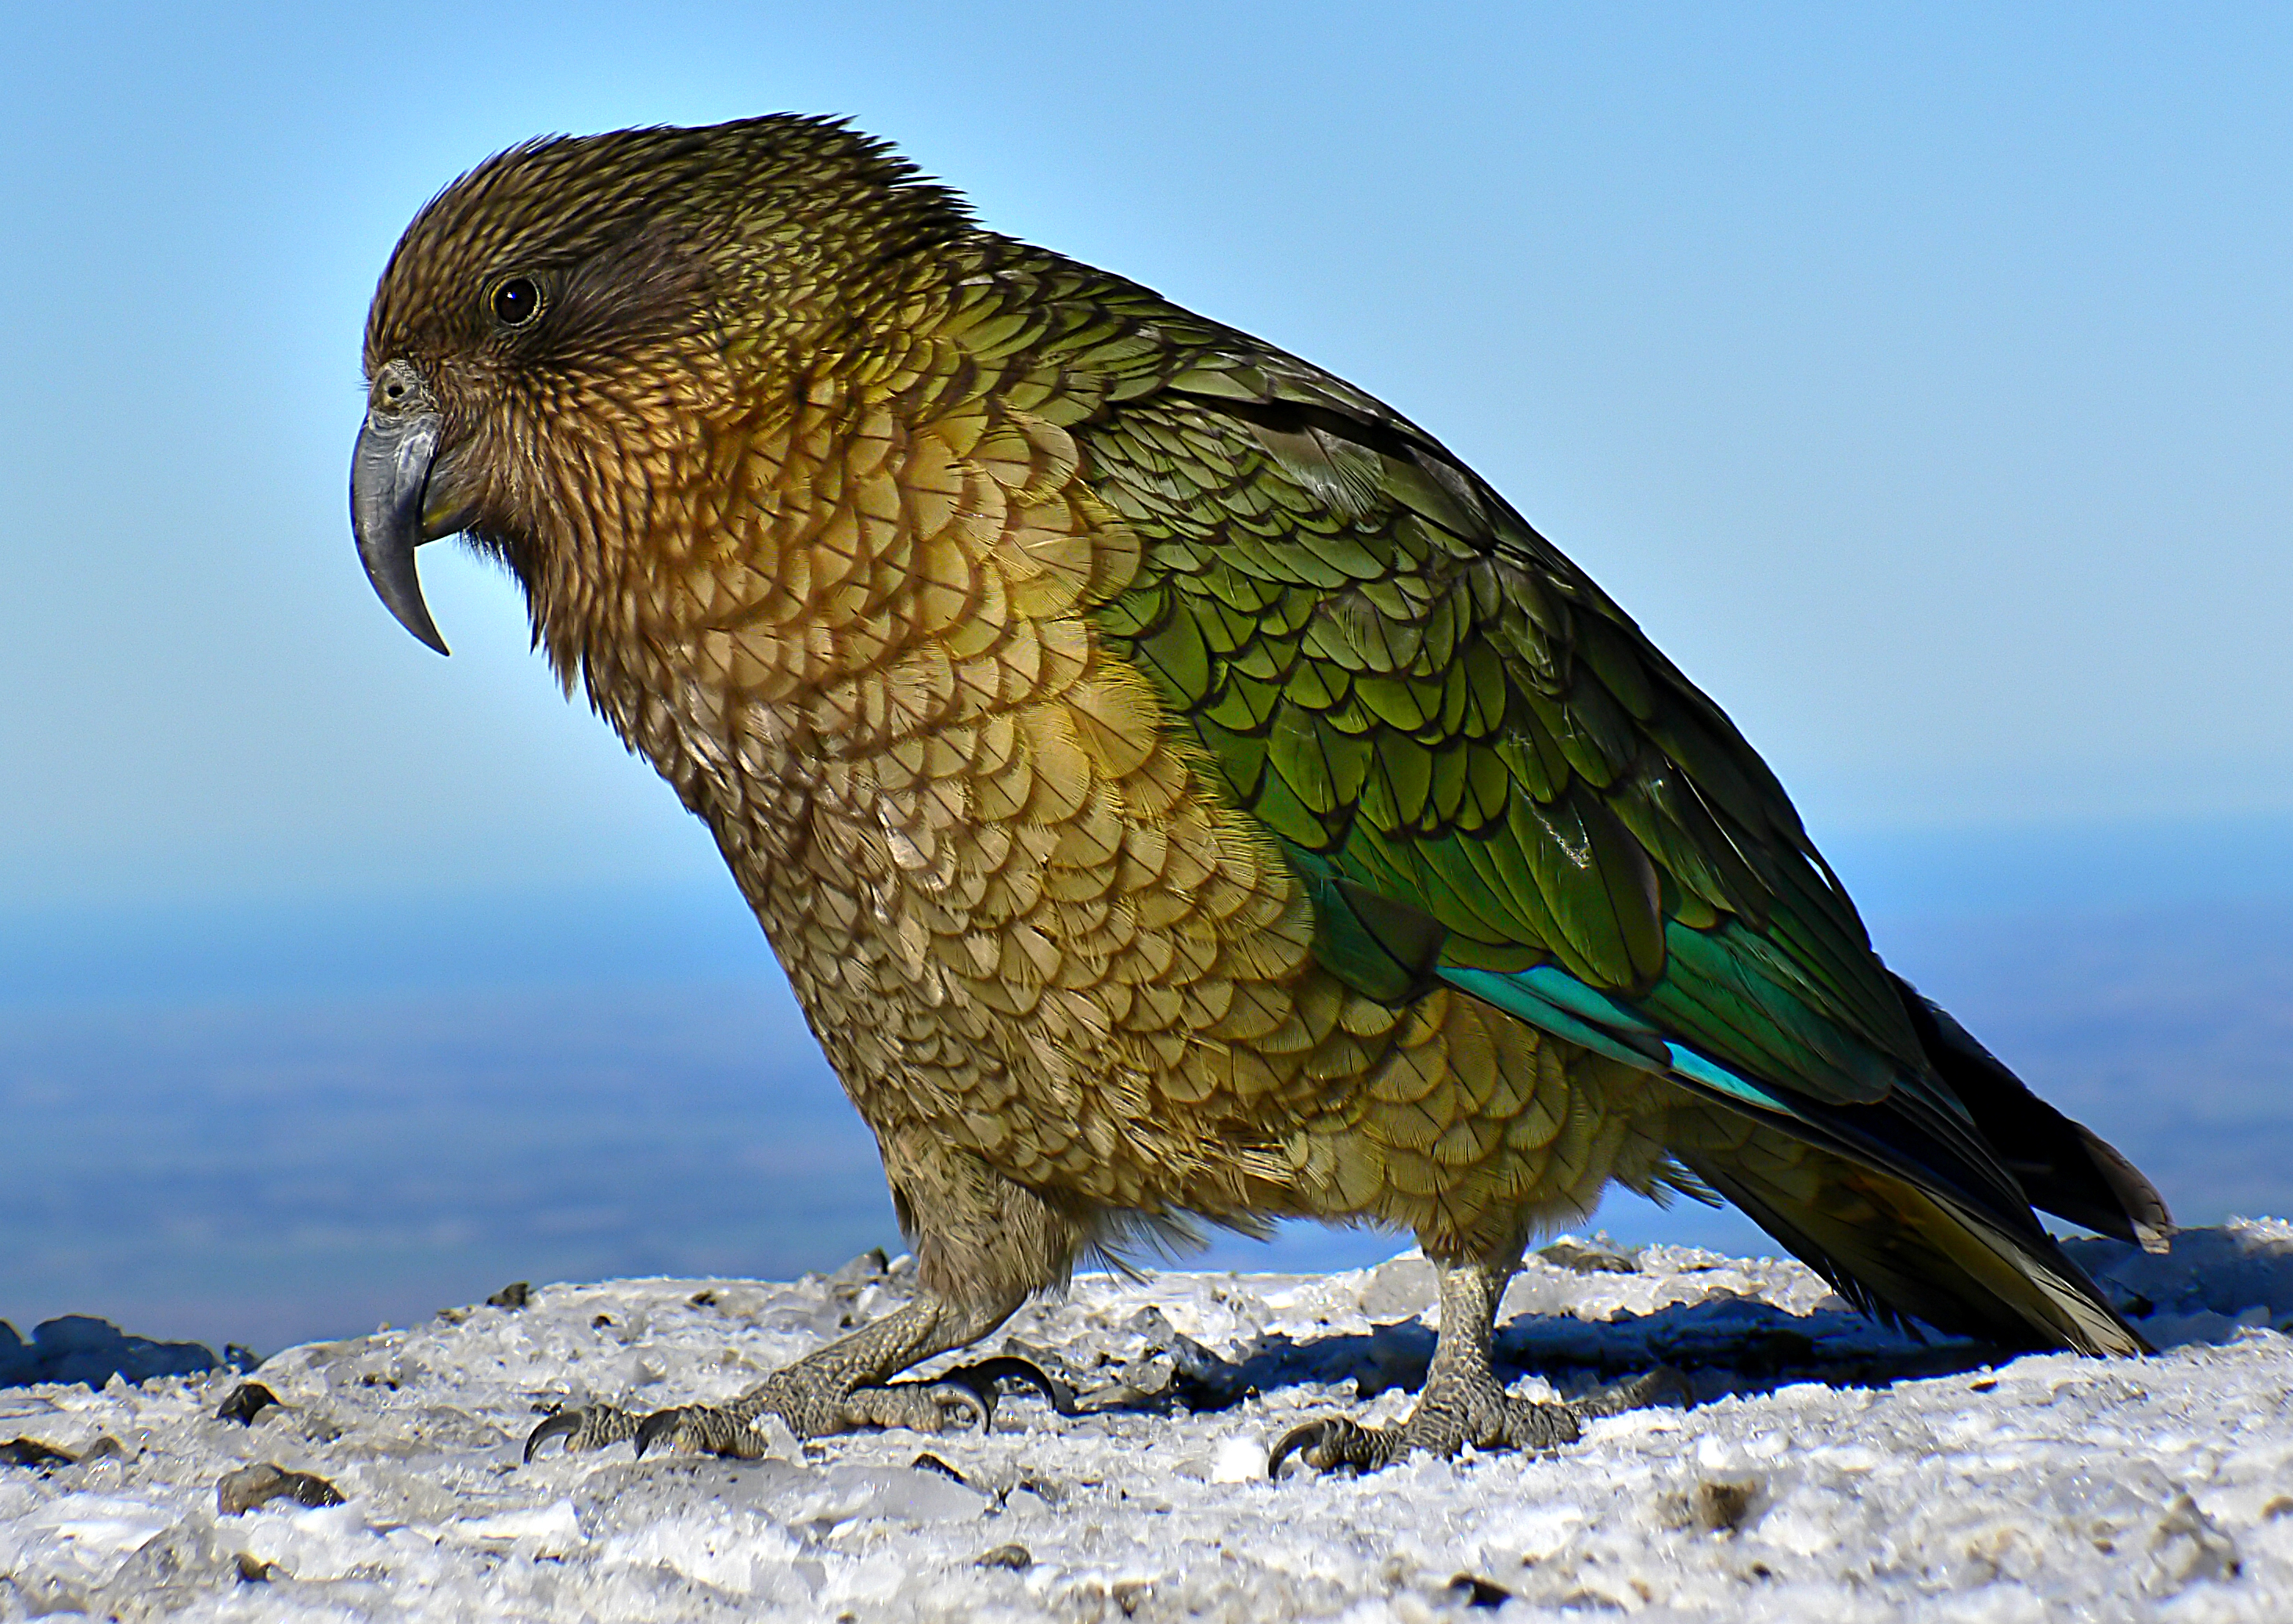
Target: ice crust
1830, 1469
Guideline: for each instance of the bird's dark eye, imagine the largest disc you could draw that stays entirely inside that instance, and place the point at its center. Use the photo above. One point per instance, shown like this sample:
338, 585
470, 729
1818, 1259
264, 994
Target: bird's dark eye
516, 301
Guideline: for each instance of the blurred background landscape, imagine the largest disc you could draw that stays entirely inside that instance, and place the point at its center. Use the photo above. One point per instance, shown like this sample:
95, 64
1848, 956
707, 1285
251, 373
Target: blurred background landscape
265, 1126
1917, 376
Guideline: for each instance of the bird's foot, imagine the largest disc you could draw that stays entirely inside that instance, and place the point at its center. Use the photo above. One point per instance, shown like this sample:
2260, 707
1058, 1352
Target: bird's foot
1457, 1411
1440, 1425
815, 1400
732, 1429
586, 1426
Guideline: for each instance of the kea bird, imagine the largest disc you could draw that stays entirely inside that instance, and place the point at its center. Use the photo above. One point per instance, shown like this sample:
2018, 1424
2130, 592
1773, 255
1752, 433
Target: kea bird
1178, 790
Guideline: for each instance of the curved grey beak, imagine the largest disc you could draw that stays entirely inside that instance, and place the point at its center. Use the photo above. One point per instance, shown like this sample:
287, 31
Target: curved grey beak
390, 479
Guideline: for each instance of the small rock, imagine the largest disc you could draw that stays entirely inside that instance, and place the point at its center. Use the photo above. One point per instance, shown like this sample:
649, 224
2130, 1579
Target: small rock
251, 1486
1474, 1591
929, 1462
255, 1571
80, 1348
870, 1266
16, 1364
1143, 1383
1016, 1557
31, 1452
1722, 1505
517, 1293
247, 1400
1579, 1258
2188, 1546
1050, 1493
1171, 1365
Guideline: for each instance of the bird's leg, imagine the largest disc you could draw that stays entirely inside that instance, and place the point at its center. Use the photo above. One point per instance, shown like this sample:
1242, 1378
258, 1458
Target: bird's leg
844, 1387
983, 1243
1463, 1401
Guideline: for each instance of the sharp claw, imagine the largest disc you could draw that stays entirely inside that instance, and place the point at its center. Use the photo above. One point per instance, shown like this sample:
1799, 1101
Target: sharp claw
651, 1429
981, 1378
982, 1403
564, 1425
1297, 1440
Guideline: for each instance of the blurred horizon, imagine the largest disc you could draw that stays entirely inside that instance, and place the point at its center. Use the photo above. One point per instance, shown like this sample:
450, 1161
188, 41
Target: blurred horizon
186, 950
273, 1123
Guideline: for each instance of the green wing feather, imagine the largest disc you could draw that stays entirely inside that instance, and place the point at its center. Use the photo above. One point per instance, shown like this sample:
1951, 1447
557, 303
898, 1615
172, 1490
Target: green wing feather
1435, 709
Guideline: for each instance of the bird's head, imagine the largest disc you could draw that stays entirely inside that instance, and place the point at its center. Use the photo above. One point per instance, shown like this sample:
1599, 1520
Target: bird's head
560, 333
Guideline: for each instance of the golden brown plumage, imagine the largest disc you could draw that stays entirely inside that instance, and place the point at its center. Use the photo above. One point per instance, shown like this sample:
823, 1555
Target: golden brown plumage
840, 511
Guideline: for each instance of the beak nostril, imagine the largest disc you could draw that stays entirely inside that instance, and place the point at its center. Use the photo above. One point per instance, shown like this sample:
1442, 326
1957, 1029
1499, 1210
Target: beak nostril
395, 388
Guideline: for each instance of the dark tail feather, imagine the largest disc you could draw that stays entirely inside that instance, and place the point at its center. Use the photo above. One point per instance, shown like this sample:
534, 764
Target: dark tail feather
1899, 1250
2062, 1166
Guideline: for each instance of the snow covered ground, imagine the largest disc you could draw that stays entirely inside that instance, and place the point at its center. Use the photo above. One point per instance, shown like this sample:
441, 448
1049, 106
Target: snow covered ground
1828, 1469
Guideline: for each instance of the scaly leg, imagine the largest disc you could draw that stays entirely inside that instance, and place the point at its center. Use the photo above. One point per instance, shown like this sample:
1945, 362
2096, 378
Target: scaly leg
982, 1244
1462, 1403
845, 1386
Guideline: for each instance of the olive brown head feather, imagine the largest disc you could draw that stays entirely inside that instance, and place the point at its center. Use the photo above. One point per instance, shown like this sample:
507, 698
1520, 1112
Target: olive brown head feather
569, 287
1179, 788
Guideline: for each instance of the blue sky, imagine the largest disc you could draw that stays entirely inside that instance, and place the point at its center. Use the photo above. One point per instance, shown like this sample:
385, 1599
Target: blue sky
1917, 375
